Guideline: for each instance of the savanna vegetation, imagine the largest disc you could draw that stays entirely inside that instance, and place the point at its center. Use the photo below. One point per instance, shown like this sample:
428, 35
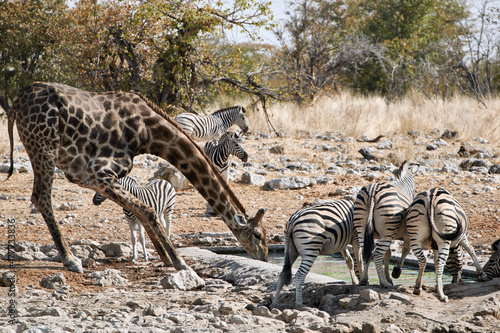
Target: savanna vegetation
335, 61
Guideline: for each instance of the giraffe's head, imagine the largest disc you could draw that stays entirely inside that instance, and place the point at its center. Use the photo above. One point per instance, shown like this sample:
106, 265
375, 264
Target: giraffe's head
252, 236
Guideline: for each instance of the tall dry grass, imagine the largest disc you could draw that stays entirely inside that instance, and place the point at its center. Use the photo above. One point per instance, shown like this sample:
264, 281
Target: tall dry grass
357, 115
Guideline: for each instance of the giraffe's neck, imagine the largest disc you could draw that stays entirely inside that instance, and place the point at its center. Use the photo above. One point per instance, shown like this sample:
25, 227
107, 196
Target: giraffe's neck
173, 145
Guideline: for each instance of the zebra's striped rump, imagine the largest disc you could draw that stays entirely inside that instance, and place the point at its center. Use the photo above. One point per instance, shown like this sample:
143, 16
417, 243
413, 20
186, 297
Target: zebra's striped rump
435, 220
492, 266
158, 194
378, 213
322, 229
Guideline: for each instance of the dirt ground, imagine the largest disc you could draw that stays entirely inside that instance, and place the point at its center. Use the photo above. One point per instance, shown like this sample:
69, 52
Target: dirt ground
106, 224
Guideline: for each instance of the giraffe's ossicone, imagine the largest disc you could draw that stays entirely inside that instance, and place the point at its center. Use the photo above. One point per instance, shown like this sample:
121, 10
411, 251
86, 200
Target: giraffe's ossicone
93, 138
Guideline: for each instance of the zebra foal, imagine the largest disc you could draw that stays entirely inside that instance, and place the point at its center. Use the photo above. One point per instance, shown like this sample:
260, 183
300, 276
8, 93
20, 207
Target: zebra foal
323, 229
378, 213
214, 125
435, 220
159, 194
220, 151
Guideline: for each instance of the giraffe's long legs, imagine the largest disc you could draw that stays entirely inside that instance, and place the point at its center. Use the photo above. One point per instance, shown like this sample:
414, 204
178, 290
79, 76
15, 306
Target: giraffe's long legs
150, 221
42, 199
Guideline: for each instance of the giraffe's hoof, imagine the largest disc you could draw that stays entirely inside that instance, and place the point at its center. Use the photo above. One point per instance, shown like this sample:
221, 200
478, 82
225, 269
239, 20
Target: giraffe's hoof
74, 265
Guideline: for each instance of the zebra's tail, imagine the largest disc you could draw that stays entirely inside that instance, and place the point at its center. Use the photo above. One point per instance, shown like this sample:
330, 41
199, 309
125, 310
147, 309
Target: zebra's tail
286, 273
448, 237
287, 270
369, 243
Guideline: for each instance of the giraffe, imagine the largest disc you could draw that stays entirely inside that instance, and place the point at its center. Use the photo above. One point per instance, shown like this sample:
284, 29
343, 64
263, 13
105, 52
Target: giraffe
93, 138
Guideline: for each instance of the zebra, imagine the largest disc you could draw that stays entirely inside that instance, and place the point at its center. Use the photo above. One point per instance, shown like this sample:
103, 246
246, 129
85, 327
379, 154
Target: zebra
455, 263
436, 220
219, 152
492, 266
326, 228
214, 125
159, 194
378, 212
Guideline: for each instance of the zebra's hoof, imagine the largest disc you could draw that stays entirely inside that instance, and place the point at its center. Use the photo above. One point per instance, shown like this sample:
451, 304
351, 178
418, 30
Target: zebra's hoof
483, 278
416, 291
443, 299
396, 272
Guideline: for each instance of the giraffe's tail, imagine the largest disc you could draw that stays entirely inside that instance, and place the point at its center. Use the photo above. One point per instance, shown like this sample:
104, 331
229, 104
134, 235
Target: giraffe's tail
11, 116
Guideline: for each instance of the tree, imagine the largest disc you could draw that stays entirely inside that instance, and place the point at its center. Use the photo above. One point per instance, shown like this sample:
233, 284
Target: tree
318, 49
29, 42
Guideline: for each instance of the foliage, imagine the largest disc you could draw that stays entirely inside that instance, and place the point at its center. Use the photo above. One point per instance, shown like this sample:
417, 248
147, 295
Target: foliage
29, 44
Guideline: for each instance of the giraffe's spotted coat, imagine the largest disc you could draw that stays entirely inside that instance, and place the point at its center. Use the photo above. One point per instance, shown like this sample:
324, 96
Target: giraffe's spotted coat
93, 138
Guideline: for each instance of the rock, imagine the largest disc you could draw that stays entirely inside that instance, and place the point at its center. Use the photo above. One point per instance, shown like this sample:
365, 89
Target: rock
288, 315
47, 311
392, 329
471, 163
108, 277
495, 169
289, 183
369, 295
385, 145
449, 134
185, 279
262, 311
154, 310
169, 173
53, 281
116, 249
277, 150
253, 179
307, 319
349, 303
7, 278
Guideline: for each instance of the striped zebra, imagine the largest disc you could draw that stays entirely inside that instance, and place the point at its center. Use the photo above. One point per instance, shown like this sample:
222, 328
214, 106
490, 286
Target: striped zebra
492, 266
455, 263
435, 220
325, 229
378, 213
214, 125
159, 194
219, 152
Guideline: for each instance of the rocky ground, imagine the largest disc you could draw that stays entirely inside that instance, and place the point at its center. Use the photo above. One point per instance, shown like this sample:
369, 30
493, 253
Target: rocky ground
285, 173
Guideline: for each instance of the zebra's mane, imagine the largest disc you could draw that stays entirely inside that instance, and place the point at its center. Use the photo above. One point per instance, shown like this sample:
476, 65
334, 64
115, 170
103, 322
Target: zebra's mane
163, 114
237, 107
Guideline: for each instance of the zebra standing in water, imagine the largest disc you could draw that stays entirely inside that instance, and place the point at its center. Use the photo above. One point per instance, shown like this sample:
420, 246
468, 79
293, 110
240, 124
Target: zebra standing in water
322, 229
492, 266
214, 125
159, 194
436, 220
219, 152
378, 211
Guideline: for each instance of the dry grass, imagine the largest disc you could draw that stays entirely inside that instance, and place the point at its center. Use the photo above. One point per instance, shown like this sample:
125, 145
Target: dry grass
371, 116
357, 115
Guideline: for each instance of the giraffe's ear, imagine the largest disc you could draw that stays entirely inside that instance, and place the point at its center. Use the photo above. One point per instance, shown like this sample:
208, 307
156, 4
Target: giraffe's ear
257, 219
240, 219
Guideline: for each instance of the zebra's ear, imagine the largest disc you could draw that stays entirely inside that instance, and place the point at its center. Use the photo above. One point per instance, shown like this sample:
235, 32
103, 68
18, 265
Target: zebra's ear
237, 134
